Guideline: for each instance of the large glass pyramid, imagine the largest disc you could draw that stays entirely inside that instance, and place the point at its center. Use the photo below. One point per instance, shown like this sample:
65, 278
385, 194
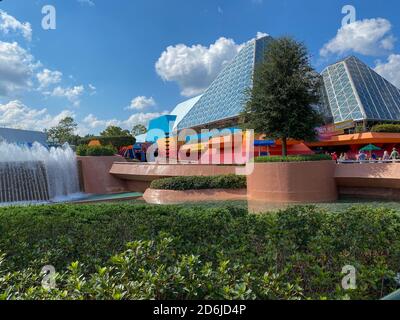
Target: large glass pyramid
226, 96
356, 92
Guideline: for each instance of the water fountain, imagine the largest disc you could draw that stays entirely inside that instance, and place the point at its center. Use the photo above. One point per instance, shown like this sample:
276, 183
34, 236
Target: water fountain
29, 174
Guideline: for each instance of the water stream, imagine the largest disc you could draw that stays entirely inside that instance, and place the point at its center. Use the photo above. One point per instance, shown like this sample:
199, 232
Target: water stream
36, 173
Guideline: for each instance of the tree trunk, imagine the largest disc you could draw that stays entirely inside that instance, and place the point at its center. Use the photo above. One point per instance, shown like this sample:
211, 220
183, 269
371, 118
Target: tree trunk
284, 146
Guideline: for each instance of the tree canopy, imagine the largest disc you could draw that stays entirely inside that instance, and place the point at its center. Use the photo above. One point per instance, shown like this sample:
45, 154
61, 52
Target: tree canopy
285, 88
114, 131
64, 132
138, 130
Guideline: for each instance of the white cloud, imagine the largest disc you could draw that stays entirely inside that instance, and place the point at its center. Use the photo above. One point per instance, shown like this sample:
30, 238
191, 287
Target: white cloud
141, 118
261, 35
94, 125
90, 3
92, 89
93, 122
390, 69
141, 102
195, 67
16, 68
9, 24
47, 77
15, 114
368, 37
73, 94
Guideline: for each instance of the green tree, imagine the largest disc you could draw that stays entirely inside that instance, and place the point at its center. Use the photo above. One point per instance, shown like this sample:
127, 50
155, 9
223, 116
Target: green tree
64, 132
114, 131
284, 89
138, 130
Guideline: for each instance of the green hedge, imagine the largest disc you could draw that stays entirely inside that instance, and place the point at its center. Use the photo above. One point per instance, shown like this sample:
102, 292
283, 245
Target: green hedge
179, 252
95, 151
300, 158
388, 128
201, 183
117, 142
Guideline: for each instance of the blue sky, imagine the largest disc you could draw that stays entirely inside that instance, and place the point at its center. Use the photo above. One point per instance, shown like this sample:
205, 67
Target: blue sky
123, 62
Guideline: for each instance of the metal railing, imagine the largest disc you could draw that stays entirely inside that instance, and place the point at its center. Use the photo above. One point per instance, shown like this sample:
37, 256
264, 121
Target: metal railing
367, 161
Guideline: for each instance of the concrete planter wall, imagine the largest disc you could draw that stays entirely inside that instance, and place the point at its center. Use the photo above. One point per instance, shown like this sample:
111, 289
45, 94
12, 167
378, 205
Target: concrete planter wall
296, 182
155, 196
96, 177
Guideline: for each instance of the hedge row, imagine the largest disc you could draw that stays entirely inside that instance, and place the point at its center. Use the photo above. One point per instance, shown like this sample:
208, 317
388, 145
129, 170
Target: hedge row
95, 151
300, 158
387, 128
117, 142
178, 252
200, 183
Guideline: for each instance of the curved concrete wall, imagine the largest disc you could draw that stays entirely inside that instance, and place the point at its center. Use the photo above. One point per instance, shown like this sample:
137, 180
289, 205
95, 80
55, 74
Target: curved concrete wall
138, 176
297, 182
369, 180
96, 178
154, 196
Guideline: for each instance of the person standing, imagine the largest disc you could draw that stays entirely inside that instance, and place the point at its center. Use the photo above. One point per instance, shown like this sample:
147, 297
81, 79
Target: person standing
386, 156
394, 155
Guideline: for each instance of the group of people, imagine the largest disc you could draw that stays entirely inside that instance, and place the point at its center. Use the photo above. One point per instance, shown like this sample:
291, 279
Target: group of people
362, 156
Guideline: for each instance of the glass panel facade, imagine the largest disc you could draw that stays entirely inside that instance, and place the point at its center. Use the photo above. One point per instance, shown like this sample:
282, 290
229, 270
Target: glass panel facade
380, 99
356, 92
340, 95
225, 97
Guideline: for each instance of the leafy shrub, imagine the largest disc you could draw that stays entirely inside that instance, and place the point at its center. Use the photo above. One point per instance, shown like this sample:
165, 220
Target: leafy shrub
183, 252
151, 270
388, 128
81, 150
300, 158
95, 151
200, 183
117, 142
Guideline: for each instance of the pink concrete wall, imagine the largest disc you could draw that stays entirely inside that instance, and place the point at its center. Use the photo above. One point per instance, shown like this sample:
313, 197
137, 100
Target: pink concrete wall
96, 177
175, 197
297, 182
138, 176
149, 172
369, 180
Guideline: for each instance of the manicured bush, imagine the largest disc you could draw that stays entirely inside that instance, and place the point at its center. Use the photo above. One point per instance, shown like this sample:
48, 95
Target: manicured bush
299, 158
116, 142
388, 128
183, 252
200, 183
82, 150
95, 151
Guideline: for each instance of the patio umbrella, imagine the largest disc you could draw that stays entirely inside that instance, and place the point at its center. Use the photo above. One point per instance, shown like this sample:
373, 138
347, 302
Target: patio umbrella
370, 148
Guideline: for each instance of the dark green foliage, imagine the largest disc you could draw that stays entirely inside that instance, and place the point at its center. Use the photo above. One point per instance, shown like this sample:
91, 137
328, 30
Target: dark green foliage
138, 130
64, 132
117, 142
95, 151
388, 128
285, 88
200, 183
114, 131
197, 253
305, 158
